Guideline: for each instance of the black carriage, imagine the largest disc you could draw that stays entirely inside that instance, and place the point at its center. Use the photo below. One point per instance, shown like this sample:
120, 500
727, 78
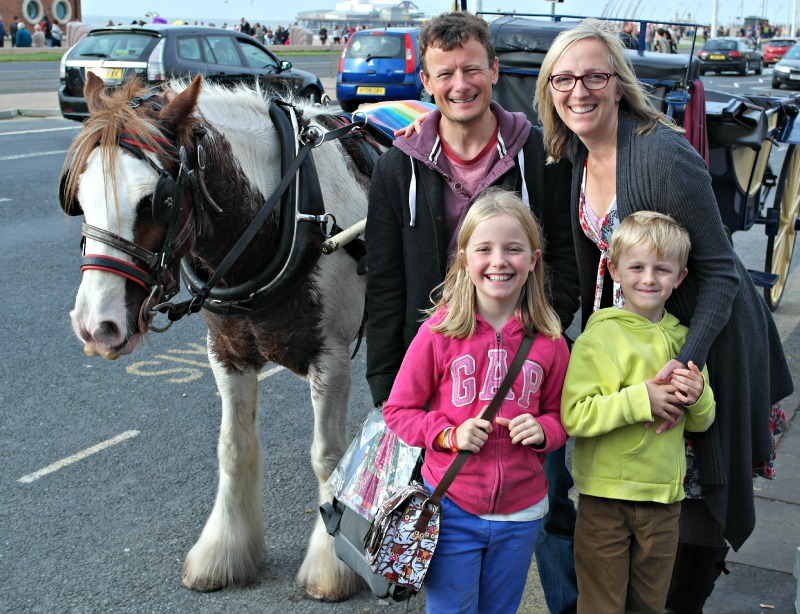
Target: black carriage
742, 131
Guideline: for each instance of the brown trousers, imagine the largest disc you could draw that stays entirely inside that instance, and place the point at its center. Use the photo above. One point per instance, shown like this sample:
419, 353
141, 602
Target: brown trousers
624, 553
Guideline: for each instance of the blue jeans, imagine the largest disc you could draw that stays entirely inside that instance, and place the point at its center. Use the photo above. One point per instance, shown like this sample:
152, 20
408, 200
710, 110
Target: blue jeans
480, 566
554, 549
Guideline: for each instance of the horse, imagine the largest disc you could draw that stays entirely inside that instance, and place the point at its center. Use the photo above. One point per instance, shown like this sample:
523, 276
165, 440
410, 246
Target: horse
180, 174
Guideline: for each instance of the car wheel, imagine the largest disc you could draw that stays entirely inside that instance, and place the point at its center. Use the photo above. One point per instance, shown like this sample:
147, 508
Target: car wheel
743, 69
701, 72
776, 85
759, 68
348, 106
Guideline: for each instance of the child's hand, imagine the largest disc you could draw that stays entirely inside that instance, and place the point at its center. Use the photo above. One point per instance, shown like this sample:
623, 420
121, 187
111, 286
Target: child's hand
688, 384
664, 404
473, 433
524, 429
412, 128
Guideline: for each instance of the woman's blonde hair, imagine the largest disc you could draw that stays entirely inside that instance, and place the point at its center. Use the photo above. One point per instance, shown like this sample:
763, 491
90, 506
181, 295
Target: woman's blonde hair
634, 101
458, 298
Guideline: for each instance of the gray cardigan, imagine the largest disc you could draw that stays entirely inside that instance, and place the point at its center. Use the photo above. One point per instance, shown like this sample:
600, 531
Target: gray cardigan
729, 323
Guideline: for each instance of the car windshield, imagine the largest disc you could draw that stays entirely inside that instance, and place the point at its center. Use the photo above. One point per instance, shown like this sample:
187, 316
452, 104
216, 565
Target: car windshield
114, 45
793, 53
377, 46
720, 46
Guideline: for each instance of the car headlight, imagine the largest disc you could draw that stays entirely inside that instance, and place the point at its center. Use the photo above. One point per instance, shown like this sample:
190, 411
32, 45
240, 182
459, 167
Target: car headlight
779, 68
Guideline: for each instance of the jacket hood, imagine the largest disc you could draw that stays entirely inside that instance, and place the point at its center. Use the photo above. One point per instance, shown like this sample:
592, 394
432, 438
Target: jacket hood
425, 145
669, 322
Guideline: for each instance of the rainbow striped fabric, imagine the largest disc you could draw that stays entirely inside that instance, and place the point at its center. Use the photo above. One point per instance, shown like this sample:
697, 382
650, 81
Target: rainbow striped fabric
394, 114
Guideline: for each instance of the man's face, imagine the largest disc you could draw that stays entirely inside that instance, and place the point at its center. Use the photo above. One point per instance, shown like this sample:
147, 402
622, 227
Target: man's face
460, 80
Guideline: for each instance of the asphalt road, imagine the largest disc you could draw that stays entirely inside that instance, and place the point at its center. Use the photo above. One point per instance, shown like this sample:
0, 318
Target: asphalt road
108, 532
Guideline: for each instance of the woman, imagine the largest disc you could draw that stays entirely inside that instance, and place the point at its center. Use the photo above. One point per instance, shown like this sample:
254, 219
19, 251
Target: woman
628, 157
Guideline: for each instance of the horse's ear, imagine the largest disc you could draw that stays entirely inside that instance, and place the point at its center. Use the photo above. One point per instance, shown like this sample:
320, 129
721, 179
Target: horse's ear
182, 106
93, 92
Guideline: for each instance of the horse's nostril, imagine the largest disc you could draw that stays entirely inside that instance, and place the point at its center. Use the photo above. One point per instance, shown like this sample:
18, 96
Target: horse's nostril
107, 329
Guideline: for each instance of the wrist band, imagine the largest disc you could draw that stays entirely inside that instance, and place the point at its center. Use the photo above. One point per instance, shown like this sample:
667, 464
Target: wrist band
441, 438
451, 440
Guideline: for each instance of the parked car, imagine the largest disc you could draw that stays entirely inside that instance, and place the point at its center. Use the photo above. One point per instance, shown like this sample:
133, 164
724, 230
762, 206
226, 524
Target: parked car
729, 53
775, 48
379, 64
787, 71
157, 52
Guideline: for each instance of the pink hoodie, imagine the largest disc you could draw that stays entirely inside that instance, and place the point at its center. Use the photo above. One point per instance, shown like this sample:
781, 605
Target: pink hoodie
457, 378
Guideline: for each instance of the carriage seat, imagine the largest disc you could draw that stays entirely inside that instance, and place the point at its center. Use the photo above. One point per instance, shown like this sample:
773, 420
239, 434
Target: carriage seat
735, 120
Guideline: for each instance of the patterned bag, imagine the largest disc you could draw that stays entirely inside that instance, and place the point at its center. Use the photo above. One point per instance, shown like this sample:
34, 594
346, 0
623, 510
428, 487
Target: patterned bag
403, 536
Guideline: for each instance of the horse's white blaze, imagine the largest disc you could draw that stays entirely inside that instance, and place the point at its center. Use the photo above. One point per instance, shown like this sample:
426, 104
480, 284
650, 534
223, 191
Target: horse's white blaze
99, 317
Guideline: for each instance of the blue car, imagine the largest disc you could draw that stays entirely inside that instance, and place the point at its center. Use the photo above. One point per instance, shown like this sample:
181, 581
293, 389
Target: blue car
379, 64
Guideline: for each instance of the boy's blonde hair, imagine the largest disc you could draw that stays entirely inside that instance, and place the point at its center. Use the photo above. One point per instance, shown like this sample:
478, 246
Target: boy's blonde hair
667, 237
533, 311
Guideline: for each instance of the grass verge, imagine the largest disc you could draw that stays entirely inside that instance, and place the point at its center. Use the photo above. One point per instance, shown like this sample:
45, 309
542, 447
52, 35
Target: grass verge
44, 56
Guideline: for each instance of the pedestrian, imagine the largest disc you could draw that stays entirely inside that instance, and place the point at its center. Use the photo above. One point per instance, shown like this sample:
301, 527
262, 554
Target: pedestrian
38, 39
2, 32
23, 38
56, 33
12, 30
492, 297
617, 146
337, 35
419, 193
630, 475
323, 35
629, 36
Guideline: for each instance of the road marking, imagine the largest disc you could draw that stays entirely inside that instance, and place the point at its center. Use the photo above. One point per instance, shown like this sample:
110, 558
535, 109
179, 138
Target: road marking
33, 155
16, 132
69, 460
5, 200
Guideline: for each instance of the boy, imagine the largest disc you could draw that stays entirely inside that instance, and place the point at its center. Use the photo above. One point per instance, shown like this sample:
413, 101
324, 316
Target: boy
627, 465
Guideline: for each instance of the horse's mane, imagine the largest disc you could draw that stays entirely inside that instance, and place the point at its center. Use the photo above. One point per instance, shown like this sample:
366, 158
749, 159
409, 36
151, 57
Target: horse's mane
102, 129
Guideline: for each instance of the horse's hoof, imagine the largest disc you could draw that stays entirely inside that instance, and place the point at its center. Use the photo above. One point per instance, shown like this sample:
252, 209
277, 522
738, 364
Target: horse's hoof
203, 587
317, 595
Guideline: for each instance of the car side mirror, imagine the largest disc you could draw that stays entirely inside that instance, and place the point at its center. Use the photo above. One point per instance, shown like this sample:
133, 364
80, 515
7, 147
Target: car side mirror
285, 65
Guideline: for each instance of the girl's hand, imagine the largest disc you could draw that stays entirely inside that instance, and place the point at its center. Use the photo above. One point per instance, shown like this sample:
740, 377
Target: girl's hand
524, 429
688, 384
473, 433
412, 128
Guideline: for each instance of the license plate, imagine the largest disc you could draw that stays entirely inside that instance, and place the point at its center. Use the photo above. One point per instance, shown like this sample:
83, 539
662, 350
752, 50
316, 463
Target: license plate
371, 91
716, 57
795, 76
107, 74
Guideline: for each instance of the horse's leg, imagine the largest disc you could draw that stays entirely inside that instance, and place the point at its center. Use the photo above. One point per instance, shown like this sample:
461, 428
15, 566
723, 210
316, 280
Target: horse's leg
231, 547
322, 574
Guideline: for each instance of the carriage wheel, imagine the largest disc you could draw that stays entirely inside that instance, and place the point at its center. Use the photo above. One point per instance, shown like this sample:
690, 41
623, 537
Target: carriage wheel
780, 247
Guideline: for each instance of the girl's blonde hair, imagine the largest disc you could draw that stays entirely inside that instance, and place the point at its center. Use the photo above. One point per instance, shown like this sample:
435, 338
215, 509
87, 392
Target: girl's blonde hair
457, 299
634, 101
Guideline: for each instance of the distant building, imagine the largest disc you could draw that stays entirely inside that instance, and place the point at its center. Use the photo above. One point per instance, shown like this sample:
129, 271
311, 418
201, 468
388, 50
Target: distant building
370, 13
31, 12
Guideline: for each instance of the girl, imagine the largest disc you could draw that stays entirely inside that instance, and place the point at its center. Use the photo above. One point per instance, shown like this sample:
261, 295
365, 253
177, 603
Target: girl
493, 295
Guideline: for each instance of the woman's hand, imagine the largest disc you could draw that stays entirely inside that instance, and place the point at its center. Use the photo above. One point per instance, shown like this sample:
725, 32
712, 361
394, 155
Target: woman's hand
524, 429
663, 376
412, 128
688, 384
473, 433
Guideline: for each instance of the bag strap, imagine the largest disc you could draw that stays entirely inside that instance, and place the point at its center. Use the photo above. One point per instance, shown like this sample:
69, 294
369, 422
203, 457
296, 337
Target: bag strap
488, 414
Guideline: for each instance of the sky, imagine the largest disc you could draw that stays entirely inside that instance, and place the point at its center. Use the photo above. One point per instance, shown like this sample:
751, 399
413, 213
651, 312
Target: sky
728, 11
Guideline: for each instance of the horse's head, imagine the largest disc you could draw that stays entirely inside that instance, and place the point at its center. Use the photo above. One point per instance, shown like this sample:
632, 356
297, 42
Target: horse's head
120, 173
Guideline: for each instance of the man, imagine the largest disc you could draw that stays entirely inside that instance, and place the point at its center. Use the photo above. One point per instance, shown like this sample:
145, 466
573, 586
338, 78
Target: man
420, 191
2, 32
629, 36
12, 30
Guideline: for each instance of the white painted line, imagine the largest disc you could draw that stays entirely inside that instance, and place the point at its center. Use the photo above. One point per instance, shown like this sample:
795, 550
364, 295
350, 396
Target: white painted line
39, 130
5, 200
69, 460
32, 155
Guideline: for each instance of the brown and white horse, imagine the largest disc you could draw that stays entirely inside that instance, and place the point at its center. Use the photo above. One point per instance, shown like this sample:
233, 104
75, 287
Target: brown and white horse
223, 147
